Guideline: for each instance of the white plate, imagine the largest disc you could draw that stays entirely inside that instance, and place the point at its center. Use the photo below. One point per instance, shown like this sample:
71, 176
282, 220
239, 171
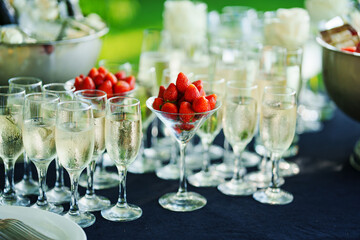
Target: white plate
50, 224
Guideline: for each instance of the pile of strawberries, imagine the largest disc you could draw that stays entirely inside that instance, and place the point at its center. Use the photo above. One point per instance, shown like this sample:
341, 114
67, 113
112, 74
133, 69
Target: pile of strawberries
185, 98
102, 79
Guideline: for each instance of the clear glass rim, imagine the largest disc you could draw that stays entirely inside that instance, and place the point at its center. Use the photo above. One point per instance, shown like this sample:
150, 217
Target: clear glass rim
78, 106
94, 96
18, 91
218, 105
231, 83
33, 81
136, 102
42, 97
65, 85
273, 91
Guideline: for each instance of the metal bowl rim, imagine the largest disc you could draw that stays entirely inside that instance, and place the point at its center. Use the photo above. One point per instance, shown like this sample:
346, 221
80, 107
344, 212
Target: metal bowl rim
334, 49
89, 37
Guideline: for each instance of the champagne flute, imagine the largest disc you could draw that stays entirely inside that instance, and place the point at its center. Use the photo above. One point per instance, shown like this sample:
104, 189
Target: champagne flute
207, 133
97, 100
123, 140
60, 193
11, 145
74, 139
239, 123
182, 200
27, 185
277, 130
39, 139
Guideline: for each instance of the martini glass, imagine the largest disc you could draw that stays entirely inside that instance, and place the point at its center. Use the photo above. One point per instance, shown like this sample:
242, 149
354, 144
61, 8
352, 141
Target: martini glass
60, 193
27, 185
182, 200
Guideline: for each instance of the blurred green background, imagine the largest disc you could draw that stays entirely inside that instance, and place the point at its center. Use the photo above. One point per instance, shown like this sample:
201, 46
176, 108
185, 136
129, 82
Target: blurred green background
128, 18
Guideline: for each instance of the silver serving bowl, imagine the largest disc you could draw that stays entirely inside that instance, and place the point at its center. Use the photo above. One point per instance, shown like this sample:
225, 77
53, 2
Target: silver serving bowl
341, 74
56, 61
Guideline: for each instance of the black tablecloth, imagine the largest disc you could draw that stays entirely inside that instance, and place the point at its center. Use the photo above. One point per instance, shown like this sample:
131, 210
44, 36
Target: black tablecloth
326, 200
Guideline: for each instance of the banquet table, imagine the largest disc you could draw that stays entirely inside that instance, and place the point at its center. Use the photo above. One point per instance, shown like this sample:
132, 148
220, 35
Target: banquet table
326, 199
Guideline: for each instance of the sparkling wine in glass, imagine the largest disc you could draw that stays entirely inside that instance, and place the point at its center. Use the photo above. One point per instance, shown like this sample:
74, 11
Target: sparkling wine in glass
74, 139
182, 200
207, 133
277, 130
123, 140
11, 140
239, 124
39, 139
97, 100
60, 193
27, 185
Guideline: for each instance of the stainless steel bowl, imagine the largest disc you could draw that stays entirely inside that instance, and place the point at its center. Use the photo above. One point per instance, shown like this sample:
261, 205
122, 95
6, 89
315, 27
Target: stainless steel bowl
56, 61
341, 74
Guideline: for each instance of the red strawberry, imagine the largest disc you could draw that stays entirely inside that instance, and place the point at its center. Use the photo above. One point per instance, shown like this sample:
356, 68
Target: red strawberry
99, 79
88, 83
182, 82
161, 91
82, 76
78, 82
103, 70
93, 72
170, 108
111, 77
120, 75
201, 91
191, 93
107, 87
186, 126
157, 104
185, 108
171, 93
201, 104
131, 81
212, 100
121, 87
198, 83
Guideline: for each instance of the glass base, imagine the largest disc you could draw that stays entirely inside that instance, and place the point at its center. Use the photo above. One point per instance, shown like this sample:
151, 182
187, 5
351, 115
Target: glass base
49, 207
182, 202
157, 153
168, 172
102, 180
250, 159
27, 187
193, 161
273, 196
205, 179
59, 195
262, 180
126, 213
215, 151
287, 169
83, 219
93, 203
141, 165
237, 188
225, 170
17, 201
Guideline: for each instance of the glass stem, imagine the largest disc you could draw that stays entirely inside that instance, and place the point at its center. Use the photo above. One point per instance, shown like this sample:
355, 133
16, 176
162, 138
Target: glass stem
27, 168
59, 182
42, 170
275, 170
100, 164
238, 173
142, 147
227, 156
74, 178
90, 191
182, 184
9, 191
154, 132
206, 157
262, 163
122, 187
